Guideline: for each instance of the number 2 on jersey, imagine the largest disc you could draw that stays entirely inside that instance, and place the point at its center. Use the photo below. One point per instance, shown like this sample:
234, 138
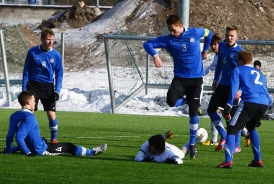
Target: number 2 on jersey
256, 81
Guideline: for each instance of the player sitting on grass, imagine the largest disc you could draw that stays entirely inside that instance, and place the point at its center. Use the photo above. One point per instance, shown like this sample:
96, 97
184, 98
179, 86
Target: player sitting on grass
156, 149
24, 124
254, 103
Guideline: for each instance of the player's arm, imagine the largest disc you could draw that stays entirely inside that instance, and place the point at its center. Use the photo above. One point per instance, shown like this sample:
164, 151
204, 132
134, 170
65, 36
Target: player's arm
207, 34
26, 70
23, 132
59, 72
217, 73
10, 136
150, 46
234, 87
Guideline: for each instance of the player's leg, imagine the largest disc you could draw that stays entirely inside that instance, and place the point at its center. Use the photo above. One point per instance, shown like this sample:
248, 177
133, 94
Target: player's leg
258, 112
238, 135
35, 88
60, 148
176, 93
49, 105
218, 99
193, 92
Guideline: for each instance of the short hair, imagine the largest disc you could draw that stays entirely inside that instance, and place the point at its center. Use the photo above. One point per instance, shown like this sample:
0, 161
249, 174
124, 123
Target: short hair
231, 28
215, 38
45, 32
24, 96
158, 141
173, 20
257, 63
245, 56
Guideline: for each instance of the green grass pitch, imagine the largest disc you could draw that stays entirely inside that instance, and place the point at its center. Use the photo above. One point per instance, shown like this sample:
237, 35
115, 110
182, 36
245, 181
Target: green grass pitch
124, 135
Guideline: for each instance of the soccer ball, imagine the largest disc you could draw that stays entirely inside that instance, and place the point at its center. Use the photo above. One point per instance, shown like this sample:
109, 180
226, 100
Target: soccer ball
201, 135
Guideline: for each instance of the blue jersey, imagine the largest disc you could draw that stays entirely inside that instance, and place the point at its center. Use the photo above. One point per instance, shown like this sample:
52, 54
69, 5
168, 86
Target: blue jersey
252, 82
28, 134
185, 51
227, 61
14, 123
41, 67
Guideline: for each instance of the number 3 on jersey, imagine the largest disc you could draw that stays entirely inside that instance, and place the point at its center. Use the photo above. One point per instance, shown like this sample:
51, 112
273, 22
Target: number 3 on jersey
256, 81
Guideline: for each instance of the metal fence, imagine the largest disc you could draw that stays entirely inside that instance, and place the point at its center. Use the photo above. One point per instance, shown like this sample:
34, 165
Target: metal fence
131, 71
118, 65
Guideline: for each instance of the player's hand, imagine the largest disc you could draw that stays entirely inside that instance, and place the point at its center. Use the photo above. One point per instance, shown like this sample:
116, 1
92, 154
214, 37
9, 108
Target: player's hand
204, 55
238, 94
227, 109
214, 85
147, 159
157, 61
30, 154
171, 161
56, 96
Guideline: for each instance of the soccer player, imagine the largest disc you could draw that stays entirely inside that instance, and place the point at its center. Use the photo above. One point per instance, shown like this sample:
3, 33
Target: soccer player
43, 74
227, 61
254, 103
157, 150
24, 124
215, 48
183, 44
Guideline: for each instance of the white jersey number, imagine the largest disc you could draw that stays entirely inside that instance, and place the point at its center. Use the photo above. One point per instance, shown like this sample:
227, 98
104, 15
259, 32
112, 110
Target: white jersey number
256, 81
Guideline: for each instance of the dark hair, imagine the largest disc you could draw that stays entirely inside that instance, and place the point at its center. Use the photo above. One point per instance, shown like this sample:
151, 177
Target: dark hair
24, 96
158, 141
245, 57
215, 38
45, 32
173, 20
257, 63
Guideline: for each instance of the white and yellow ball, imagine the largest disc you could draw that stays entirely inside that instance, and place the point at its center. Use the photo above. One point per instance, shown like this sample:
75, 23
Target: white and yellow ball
201, 135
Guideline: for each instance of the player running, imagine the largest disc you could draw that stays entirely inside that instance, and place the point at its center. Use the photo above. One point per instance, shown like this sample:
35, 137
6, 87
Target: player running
183, 44
227, 61
254, 103
24, 124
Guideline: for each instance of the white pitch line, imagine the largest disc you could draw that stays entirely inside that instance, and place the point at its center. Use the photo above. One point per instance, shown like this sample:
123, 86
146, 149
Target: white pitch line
105, 137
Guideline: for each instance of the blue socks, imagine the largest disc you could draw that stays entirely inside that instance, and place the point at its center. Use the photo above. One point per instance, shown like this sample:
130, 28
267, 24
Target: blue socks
255, 143
53, 126
229, 147
180, 102
217, 121
82, 151
193, 127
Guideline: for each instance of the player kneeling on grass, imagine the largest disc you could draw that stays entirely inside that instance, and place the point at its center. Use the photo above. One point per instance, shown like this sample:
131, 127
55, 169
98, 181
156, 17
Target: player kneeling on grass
24, 124
254, 103
157, 150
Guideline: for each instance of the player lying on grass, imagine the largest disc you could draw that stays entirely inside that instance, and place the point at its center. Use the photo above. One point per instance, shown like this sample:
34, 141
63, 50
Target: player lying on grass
156, 149
254, 103
24, 124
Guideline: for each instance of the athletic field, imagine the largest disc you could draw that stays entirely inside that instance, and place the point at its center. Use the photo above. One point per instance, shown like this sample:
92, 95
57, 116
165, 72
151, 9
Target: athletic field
124, 135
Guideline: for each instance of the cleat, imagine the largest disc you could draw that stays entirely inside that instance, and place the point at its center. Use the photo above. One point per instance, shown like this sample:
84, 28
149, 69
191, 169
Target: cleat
168, 135
100, 149
193, 151
220, 146
210, 143
247, 141
256, 164
54, 141
227, 165
237, 150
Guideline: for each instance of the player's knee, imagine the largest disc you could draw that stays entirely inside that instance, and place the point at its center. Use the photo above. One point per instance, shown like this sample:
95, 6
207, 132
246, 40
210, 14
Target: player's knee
232, 130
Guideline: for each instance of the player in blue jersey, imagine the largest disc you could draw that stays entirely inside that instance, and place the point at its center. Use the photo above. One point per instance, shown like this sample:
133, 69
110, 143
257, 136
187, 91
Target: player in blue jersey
227, 61
183, 44
43, 74
254, 103
24, 124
